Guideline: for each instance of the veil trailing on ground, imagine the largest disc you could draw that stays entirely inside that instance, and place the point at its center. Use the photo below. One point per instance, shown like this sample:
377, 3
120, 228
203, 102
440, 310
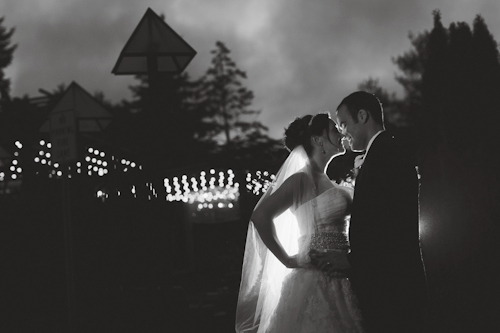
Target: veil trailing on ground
262, 272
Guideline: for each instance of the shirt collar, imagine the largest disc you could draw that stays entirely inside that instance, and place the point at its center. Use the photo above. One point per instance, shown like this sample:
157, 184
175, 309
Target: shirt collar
371, 141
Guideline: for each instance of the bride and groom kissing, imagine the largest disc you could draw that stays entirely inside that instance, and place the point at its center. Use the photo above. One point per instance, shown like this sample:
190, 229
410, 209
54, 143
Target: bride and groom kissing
320, 258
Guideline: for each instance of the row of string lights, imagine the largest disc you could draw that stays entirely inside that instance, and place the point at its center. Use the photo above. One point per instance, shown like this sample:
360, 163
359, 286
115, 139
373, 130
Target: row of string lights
10, 168
207, 189
95, 162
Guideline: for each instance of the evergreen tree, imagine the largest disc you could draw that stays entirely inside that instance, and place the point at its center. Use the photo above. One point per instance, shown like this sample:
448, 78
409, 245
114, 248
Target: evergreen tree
412, 64
434, 83
229, 119
6, 54
174, 126
485, 87
227, 102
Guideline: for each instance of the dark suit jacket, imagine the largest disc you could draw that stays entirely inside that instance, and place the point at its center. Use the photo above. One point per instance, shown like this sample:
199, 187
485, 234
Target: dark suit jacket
387, 269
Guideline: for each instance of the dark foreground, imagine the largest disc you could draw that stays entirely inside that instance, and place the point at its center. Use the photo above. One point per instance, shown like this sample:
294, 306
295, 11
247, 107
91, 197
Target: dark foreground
132, 273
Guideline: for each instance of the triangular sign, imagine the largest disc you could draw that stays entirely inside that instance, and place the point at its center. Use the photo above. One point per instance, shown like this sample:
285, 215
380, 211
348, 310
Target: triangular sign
90, 114
153, 46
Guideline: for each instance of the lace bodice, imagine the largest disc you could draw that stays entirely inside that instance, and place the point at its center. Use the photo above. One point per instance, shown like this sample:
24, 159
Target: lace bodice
330, 213
331, 209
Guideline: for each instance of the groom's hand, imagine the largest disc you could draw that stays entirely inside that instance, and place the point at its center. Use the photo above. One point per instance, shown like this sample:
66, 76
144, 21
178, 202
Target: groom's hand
332, 262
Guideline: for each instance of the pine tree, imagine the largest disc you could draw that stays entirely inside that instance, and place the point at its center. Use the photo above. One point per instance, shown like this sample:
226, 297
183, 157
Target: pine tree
174, 127
227, 102
6, 54
412, 64
485, 87
434, 84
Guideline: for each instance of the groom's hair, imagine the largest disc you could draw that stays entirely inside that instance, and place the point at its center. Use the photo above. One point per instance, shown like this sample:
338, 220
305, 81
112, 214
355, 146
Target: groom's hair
363, 100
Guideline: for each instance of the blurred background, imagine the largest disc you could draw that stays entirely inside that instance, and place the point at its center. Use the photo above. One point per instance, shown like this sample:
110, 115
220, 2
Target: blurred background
130, 214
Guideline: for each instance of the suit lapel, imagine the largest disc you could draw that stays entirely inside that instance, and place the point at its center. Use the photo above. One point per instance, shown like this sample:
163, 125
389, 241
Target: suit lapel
364, 171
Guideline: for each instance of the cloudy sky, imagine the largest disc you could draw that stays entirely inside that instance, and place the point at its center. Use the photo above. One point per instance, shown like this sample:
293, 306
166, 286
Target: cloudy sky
301, 56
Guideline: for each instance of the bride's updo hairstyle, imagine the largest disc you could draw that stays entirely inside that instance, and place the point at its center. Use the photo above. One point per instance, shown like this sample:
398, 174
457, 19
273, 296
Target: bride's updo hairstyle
300, 131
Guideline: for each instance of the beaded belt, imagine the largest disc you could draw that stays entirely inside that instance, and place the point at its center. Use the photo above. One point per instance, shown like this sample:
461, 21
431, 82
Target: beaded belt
329, 241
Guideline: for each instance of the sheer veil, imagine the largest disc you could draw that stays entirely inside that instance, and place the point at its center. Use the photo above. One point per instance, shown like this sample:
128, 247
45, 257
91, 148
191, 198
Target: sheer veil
262, 273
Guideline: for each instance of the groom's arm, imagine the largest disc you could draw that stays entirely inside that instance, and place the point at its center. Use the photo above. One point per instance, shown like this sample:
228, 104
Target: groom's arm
329, 262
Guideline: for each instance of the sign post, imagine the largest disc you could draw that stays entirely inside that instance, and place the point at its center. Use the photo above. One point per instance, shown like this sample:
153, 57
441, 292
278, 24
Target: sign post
63, 138
76, 112
156, 50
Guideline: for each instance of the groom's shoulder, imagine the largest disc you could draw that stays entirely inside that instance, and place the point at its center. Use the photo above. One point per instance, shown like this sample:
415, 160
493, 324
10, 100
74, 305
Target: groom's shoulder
385, 142
395, 146
389, 146
390, 140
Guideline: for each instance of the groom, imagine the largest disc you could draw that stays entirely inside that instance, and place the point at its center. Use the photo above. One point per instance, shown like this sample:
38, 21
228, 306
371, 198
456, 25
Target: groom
385, 264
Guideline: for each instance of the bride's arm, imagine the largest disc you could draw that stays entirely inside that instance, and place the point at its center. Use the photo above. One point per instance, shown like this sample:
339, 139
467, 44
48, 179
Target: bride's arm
268, 209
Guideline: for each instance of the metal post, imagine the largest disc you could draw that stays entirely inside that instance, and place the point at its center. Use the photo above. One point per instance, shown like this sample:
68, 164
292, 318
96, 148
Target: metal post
66, 203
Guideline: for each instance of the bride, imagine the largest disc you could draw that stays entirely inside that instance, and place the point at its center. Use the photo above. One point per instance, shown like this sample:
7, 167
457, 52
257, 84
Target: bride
302, 212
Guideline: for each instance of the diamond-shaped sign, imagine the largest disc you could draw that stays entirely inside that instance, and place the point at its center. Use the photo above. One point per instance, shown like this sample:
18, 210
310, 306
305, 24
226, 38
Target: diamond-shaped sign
153, 46
90, 115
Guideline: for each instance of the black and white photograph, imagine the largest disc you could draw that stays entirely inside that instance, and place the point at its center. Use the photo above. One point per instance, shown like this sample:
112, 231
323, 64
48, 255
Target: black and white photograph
257, 166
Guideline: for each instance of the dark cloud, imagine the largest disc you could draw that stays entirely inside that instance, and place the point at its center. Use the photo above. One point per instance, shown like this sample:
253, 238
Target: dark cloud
300, 56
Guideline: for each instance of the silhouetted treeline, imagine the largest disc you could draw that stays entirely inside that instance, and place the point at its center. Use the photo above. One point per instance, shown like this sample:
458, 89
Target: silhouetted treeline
451, 113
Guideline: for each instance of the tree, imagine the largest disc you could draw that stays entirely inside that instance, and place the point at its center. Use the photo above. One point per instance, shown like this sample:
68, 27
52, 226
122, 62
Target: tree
172, 134
434, 82
452, 79
226, 102
486, 85
226, 107
6, 54
412, 64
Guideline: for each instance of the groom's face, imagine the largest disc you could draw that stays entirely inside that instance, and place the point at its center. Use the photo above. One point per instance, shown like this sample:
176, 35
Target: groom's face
350, 128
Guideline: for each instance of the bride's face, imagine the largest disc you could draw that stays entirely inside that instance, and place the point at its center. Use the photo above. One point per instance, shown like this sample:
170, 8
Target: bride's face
333, 143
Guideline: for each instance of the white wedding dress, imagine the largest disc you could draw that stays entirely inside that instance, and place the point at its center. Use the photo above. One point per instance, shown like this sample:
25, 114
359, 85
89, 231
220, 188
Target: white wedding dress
311, 301
274, 298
